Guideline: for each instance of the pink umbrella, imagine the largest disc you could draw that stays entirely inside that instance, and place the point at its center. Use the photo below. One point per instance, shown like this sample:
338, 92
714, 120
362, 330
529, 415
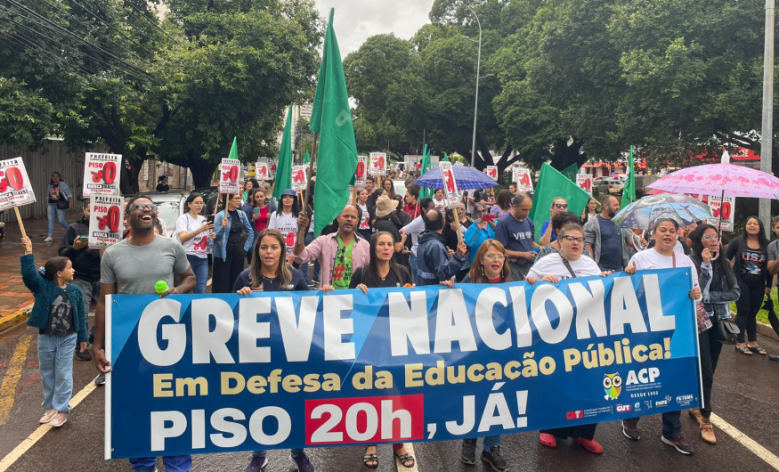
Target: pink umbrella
720, 179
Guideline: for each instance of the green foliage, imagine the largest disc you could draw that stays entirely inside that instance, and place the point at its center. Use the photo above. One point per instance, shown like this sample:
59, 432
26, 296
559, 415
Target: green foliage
25, 116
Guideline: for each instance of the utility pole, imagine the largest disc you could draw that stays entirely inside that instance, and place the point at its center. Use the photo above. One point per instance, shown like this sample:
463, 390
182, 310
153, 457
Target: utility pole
766, 135
476, 104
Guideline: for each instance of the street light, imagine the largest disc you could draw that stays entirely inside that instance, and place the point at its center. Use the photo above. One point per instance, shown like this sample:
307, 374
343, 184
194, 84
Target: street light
476, 104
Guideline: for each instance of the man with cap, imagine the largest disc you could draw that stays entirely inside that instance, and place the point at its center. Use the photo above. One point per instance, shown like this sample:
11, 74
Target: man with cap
434, 263
390, 220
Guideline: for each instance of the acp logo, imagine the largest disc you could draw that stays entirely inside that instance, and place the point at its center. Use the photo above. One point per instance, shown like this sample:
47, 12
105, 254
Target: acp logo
612, 385
643, 376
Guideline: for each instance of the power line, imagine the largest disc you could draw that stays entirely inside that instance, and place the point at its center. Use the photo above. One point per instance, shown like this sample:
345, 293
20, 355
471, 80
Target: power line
57, 28
154, 23
118, 30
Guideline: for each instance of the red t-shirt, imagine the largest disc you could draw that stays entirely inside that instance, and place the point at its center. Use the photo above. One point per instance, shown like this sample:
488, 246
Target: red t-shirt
262, 222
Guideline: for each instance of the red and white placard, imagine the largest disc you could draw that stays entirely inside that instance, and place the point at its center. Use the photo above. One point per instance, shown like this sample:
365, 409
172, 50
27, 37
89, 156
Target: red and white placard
299, 181
106, 220
230, 178
523, 180
378, 163
101, 174
15, 185
361, 173
450, 183
492, 172
584, 181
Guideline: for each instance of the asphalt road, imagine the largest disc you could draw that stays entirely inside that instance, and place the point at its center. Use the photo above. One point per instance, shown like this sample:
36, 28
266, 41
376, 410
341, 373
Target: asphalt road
745, 395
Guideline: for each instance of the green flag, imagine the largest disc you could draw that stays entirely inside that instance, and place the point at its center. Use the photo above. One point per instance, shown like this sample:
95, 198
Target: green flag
571, 172
552, 184
446, 157
234, 149
629, 191
425, 192
307, 158
284, 164
332, 119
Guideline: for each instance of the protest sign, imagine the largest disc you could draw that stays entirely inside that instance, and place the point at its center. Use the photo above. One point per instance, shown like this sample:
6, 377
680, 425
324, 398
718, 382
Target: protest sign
101, 174
231, 176
523, 179
492, 172
299, 181
15, 185
378, 163
453, 195
722, 210
360, 175
584, 181
262, 170
106, 220
272, 167
195, 374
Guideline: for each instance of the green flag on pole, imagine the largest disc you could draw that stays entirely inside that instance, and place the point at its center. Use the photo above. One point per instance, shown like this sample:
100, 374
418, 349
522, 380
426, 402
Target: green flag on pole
424, 192
307, 158
234, 149
284, 164
629, 191
571, 172
553, 184
332, 119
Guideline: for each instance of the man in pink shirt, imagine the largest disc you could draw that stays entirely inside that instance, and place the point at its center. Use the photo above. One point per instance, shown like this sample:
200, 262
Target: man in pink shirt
339, 254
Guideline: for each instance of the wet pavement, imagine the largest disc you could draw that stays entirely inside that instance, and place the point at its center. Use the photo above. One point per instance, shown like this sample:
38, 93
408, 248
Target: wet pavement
745, 394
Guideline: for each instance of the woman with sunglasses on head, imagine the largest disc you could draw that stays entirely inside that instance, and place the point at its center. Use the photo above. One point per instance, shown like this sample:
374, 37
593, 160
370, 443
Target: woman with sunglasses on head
194, 231
490, 266
503, 206
751, 267
720, 288
232, 226
269, 272
568, 263
382, 271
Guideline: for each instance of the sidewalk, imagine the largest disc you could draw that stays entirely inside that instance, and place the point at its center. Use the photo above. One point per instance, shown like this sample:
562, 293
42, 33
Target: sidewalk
15, 299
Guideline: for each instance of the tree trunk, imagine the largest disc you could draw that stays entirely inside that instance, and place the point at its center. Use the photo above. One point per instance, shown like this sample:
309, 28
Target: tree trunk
565, 155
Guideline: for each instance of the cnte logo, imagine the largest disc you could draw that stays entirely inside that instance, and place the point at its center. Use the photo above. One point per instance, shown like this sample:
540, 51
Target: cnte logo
643, 376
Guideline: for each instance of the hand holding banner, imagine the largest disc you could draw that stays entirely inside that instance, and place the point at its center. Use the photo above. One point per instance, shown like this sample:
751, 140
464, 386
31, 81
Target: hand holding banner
106, 218
230, 176
101, 174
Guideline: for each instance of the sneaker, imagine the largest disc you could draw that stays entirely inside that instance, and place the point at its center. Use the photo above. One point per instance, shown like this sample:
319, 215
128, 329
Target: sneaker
495, 459
591, 445
679, 444
468, 452
58, 420
83, 356
695, 413
302, 463
48, 416
100, 380
773, 357
707, 431
258, 464
630, 429
48, 239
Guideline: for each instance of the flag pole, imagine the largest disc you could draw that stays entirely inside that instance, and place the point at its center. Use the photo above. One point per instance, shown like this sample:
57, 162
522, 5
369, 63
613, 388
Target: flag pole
21, 223
308, 174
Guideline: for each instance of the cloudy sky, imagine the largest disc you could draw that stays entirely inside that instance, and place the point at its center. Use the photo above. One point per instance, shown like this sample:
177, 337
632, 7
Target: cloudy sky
357, 20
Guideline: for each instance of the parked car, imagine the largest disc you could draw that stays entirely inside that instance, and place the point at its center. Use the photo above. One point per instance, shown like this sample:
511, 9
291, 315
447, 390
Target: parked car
170, 206
615, 186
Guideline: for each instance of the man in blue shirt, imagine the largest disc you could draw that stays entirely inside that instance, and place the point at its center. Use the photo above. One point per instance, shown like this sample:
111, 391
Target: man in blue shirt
606, 241
516, 232
559, 205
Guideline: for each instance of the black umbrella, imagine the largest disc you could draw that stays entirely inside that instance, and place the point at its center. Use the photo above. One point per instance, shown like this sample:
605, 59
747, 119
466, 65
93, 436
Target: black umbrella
769, 307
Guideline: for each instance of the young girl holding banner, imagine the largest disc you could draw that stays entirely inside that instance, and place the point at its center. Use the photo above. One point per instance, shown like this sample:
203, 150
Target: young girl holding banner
60, 315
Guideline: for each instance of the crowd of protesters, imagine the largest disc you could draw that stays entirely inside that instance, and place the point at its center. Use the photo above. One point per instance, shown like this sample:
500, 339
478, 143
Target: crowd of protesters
381, 240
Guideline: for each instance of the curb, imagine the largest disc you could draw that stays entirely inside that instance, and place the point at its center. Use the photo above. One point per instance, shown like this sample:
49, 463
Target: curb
14, 319
767, 331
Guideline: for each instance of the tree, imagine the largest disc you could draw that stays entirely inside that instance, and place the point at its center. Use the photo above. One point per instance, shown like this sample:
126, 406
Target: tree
25, 115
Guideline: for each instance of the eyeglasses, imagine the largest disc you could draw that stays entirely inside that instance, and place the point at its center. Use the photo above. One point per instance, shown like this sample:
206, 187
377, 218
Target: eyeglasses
561, 206
493, 257
571, 239
715, 237
143, 207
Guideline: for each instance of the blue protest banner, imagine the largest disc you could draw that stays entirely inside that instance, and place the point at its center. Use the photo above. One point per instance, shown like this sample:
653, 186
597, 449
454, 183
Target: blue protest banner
223, 373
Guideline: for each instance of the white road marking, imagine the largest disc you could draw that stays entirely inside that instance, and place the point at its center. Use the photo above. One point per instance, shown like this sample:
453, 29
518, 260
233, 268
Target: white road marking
746, 441
30, 441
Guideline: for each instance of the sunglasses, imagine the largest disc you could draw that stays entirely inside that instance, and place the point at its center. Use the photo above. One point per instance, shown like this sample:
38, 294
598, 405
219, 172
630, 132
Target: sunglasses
561, 206
143, 207
571, 239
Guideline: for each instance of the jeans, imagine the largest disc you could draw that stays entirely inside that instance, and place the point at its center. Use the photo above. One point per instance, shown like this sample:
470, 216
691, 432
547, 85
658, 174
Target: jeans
490, 442
91, 290
672, 424
171, 463
710, 350
200, 268
51, 213
55, 357
304, 267
263, 452
747, 306
412, 262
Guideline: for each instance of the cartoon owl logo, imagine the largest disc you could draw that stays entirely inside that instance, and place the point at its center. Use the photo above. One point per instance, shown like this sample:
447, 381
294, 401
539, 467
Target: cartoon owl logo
612, 384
